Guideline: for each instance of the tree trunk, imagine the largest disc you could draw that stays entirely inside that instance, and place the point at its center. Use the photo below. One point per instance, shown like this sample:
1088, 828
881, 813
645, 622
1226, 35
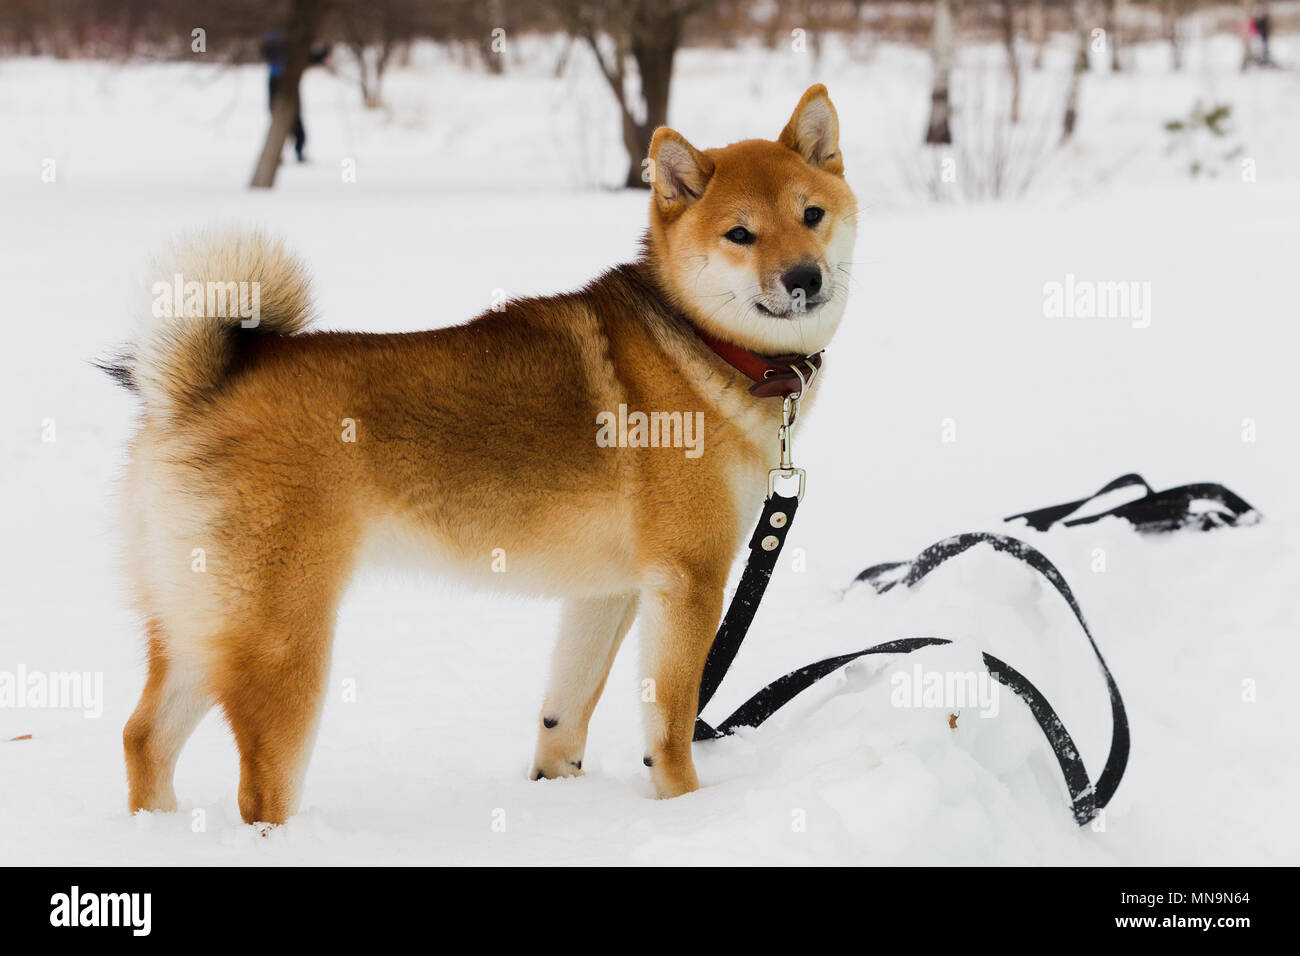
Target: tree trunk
648, 33
1247, 54
812, 20
562, 61
939, 131
382, 60
370, 76
1013, 64
304, 20
1111, 26
1038, 31
493, 55
1174, 33
654, 46
1079, 14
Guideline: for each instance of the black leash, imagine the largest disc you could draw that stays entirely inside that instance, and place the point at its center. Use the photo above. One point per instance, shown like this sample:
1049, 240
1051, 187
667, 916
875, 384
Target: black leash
1086, 798
1157, 511
764, 548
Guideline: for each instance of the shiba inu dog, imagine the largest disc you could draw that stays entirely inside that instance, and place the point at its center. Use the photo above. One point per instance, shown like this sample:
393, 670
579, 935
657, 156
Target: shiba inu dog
270, 458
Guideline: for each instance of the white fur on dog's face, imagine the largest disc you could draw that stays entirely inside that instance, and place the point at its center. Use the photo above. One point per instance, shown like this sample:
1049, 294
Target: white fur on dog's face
730, 293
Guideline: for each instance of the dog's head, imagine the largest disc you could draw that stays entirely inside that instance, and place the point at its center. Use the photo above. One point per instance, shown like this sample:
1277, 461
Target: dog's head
753, 241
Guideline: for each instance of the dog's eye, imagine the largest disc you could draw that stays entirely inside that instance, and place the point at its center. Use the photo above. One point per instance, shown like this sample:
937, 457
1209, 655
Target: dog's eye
740, 236
813, 215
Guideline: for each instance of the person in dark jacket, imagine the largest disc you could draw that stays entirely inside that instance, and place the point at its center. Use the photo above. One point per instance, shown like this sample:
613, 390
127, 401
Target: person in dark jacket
1264, 26
275, 49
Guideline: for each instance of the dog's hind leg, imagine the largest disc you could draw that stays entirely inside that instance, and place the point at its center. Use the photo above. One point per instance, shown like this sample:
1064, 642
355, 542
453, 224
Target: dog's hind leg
272, 687
591, 630
272, 654
173, 703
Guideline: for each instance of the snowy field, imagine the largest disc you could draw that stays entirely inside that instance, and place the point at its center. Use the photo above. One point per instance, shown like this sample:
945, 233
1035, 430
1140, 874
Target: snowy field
951, 401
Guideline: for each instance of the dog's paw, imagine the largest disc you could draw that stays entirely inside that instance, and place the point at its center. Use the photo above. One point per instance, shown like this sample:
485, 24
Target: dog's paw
672, 778
555, 767
560, 745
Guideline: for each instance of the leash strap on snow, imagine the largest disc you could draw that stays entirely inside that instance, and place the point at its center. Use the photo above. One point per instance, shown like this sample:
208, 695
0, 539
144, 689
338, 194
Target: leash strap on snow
1087, 799
764, 549
1203, 506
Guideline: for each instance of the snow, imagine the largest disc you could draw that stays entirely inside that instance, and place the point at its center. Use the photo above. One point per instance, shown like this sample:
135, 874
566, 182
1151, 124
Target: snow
469, 184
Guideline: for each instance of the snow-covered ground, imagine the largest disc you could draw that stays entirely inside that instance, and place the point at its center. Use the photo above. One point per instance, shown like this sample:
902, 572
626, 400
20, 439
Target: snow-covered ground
951, 401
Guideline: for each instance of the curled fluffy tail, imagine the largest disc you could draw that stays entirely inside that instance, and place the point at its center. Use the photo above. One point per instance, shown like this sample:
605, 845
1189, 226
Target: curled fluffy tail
211, 298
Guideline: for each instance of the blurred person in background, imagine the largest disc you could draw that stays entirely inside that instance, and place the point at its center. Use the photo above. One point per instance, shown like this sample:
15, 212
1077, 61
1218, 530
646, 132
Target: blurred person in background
275, 50
1263, 26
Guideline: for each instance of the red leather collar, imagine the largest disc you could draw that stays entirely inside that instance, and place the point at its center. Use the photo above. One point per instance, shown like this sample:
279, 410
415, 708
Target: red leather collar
772, 377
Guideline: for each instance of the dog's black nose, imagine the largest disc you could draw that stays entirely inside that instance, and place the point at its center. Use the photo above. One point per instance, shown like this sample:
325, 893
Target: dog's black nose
806, 279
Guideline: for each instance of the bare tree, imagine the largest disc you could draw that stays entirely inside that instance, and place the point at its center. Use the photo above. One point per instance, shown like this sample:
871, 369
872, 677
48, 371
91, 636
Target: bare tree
489, 17
813, 17
942, 51
373, 31
304, 24
1111, 26
646, 32
1174, 33
1079, 16
1248, 17
1037, 31
1008, 10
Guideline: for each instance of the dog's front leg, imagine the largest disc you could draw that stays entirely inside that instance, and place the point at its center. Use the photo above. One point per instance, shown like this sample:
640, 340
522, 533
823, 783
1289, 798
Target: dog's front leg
683, 609
591, 630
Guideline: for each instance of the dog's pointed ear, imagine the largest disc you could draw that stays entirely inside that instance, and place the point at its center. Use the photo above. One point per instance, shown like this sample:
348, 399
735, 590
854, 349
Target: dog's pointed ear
678, 171
814, 131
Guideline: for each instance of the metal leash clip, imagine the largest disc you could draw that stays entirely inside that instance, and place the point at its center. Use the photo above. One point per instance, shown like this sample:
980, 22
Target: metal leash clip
785, 437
